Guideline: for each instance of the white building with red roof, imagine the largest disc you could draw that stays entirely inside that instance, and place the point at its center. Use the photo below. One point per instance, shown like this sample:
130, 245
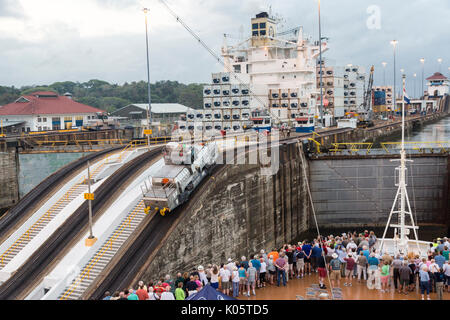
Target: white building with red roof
42, 111
438, 85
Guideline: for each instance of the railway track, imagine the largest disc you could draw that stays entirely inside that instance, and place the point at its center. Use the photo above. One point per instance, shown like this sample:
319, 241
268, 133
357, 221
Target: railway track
34, 268
28, 203
129, 261
132, 260
128, 266
147, 242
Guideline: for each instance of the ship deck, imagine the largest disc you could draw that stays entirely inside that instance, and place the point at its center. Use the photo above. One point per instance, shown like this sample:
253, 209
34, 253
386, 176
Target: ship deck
358, 291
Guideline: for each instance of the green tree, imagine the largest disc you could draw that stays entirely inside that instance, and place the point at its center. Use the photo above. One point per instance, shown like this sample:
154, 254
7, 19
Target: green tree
40, 88
110, 97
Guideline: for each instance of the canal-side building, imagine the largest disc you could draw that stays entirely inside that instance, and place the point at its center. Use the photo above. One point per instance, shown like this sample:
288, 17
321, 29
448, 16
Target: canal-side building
43, 111
162, 113
438, 85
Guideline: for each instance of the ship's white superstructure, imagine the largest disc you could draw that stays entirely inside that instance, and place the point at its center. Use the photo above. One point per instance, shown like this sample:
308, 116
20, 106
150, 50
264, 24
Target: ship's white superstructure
269, 75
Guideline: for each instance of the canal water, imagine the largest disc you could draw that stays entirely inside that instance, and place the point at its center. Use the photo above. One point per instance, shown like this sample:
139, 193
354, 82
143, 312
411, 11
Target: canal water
34, 168
435, 132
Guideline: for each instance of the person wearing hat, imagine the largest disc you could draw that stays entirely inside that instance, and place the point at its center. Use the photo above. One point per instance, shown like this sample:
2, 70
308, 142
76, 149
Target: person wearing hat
372, 270
264, 255
300, 262
225, 276
257, 265
350, 264
231, 264
202, 275
244, 262
235, 281
335, 270
446, 243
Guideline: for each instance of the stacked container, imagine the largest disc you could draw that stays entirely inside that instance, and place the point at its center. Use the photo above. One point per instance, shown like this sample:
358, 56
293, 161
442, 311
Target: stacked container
333, 89
228, 104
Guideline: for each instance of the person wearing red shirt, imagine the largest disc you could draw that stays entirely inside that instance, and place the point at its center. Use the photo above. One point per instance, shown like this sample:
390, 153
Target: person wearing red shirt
349, 269
158, 289
142, 293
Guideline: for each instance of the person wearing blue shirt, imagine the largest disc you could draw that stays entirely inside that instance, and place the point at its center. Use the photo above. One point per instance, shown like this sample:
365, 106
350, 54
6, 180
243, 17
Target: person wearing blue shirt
244, 262
440, 260
316, 253
372, 270
307, 250
255, 262
373, 262
341, 256
366, 252
424, 282
257, 265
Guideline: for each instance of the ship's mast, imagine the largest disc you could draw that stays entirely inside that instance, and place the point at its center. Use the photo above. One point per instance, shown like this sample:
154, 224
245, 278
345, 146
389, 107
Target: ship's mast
402, 204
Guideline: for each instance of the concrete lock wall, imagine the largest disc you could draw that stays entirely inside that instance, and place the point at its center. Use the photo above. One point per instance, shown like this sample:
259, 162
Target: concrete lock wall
240, 213
360, 192
9, 189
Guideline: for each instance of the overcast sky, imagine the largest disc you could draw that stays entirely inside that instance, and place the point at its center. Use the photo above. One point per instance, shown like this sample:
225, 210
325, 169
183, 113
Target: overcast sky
43, 41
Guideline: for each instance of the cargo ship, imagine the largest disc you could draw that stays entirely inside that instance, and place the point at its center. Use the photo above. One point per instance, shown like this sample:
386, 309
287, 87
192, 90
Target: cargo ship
268, 81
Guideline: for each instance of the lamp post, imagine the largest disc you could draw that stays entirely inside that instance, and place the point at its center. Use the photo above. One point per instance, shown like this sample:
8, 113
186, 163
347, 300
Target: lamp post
91, 235
320, 60
415, 76
422, 61
394, 44
149, 109
440, 63
89, 242
384, 73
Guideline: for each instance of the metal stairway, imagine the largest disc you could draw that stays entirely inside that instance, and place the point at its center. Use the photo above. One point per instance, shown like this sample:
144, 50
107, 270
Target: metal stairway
104, 254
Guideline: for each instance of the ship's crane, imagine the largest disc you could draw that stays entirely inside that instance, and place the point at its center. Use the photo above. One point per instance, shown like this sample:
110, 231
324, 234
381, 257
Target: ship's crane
366, 113
217, 57
293, 30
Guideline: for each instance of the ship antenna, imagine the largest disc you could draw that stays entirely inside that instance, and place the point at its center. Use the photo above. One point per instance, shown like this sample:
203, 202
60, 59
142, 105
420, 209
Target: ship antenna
403, 202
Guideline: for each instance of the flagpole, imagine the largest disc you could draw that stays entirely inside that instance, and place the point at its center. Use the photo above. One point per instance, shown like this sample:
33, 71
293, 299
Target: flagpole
403, 113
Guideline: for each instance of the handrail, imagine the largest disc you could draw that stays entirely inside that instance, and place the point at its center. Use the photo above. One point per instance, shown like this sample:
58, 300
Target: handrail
415, 144
353, 146
108, 245
53, 142
316, 143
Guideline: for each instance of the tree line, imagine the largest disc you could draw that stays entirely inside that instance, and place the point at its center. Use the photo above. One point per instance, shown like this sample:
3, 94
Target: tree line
110, 97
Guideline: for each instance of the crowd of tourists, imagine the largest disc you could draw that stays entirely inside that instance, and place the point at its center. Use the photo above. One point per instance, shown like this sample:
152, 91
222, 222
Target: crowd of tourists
336, 260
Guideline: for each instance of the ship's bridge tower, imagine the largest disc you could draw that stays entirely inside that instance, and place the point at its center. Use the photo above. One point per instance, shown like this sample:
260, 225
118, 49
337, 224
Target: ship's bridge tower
263, 28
